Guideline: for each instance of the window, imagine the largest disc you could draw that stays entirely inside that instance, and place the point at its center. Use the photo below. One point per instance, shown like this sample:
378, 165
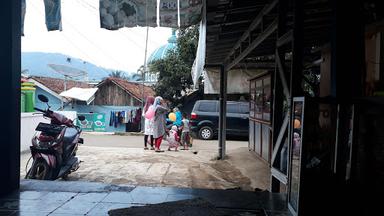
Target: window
207, 106
233, 108
244, 109
267, 99
261, 98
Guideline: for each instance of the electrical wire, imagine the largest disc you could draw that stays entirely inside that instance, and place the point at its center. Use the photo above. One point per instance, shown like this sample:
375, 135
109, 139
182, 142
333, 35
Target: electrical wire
75, 46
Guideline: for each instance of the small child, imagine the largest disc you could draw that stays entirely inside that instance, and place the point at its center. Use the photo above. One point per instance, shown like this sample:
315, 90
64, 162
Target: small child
185, 139
173, 138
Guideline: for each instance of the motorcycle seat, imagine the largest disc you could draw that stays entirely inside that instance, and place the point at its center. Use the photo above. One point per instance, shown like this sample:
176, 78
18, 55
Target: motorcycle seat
69, 135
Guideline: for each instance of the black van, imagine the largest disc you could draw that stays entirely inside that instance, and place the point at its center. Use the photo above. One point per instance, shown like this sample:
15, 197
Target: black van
205, 118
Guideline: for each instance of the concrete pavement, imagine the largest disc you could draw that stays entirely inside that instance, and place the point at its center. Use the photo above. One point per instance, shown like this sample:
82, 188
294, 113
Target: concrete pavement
115, 159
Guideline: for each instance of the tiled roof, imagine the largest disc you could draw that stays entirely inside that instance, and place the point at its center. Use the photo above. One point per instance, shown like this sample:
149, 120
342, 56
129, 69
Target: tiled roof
57, 85
136, 89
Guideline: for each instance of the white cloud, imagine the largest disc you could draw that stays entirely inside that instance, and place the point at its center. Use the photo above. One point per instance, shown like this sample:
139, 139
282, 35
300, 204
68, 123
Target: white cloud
83, 38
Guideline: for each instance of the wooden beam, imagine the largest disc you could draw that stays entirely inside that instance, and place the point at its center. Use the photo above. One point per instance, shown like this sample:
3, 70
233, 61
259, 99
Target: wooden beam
280, 138
271, 28
255, 23
280, 176
282, 75
286, 38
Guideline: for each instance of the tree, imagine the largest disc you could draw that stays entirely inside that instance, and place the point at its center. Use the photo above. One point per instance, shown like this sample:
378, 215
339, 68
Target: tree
175, 69
118, 74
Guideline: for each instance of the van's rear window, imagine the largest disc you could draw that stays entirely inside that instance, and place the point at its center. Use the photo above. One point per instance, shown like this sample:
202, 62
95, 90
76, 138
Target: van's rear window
207, 107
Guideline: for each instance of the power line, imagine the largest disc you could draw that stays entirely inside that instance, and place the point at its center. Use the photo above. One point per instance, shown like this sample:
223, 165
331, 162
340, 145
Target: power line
72, 43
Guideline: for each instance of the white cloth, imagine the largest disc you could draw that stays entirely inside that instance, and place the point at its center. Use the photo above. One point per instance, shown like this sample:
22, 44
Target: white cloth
185, 125
148, 125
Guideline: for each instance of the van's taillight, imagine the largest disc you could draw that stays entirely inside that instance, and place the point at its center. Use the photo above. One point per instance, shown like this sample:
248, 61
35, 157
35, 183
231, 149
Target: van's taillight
193, 116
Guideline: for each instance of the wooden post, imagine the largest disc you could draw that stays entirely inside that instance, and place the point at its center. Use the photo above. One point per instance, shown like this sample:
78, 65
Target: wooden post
10, 52
222, 112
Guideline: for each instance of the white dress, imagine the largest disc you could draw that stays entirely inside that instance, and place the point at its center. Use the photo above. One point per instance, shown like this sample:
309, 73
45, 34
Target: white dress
148, 126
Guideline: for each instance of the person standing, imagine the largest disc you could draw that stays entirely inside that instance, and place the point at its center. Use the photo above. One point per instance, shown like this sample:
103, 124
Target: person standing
148, 124
185, 132
159, 123
179, 117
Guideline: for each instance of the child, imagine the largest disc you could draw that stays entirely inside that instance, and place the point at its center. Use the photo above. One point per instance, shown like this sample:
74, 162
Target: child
173, 138
185, 132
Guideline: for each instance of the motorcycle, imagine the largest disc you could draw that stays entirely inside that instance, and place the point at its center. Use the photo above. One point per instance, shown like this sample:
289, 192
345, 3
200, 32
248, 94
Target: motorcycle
54, 146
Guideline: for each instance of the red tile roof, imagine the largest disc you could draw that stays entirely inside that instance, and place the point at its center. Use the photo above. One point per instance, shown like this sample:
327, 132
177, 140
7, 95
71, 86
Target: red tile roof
57, 85
135, 89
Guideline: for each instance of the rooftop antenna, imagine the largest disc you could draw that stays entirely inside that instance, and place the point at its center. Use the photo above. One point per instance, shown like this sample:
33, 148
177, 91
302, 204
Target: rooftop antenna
67, 72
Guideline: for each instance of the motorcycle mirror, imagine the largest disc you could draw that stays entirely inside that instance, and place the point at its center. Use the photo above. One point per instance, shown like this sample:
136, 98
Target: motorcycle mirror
81, 118
42, 98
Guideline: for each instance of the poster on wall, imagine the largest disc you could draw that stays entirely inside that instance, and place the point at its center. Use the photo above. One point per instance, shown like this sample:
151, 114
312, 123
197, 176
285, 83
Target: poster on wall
115, 14
92, 122
87, 123
99, 122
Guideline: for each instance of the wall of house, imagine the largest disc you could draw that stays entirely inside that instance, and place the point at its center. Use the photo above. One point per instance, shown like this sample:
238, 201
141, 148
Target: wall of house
28, 124
54, 102
106, 110
112, 95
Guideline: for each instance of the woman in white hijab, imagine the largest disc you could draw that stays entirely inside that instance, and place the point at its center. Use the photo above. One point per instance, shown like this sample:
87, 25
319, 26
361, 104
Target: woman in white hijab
159, 123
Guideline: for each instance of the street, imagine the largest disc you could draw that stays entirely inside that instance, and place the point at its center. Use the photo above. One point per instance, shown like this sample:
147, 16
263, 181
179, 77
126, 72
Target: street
119, 159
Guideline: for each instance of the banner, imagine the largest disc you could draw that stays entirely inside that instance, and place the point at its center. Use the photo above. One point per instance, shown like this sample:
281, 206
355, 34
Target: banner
98, 122
115, 14
237, 80
87, 123
180, 13
92, 122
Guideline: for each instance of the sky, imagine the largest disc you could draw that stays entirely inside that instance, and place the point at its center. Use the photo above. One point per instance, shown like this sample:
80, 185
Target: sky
83, 38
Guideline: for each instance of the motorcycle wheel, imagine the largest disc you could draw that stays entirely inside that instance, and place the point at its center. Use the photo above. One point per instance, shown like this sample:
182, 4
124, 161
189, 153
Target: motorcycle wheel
40, 170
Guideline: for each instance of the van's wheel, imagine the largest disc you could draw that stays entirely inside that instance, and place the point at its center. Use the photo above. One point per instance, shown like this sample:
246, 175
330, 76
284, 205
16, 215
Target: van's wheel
40, 170
206, 133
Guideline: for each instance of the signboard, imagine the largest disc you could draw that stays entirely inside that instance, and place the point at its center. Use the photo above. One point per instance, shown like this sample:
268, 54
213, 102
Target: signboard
92, 122
99, 122
87, 124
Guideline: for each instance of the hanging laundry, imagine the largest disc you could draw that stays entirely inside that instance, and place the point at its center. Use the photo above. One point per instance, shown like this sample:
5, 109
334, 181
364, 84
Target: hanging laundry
23, 8
116, 120
125, 117
138, 116
127, 13
53, 14
112, 115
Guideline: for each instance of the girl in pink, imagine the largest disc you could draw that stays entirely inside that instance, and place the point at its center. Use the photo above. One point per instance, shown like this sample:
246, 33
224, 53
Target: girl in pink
148, 124
173, 138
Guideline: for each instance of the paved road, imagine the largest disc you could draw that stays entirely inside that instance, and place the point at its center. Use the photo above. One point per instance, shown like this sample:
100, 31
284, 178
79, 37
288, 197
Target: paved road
122, 160
137, 141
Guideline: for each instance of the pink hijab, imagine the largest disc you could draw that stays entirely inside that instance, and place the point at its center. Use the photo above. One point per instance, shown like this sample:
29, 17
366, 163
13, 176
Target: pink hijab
148, 103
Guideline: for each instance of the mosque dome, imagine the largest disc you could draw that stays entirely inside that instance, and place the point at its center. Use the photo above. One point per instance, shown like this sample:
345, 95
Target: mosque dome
161, 52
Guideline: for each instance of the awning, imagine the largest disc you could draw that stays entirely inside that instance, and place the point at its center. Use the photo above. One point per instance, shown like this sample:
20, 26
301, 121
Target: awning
81, 94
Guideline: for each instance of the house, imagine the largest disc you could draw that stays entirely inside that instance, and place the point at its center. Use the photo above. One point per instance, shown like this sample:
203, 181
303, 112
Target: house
116, 106
119, 92
51, 88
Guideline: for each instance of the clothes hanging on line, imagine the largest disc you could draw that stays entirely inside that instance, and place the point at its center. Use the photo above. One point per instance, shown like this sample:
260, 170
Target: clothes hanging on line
125, 117
53, 14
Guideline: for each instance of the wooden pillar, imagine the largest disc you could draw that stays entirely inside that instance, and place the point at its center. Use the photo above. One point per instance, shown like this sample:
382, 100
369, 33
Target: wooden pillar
347, 66
222, 111
278, 90
10, 51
